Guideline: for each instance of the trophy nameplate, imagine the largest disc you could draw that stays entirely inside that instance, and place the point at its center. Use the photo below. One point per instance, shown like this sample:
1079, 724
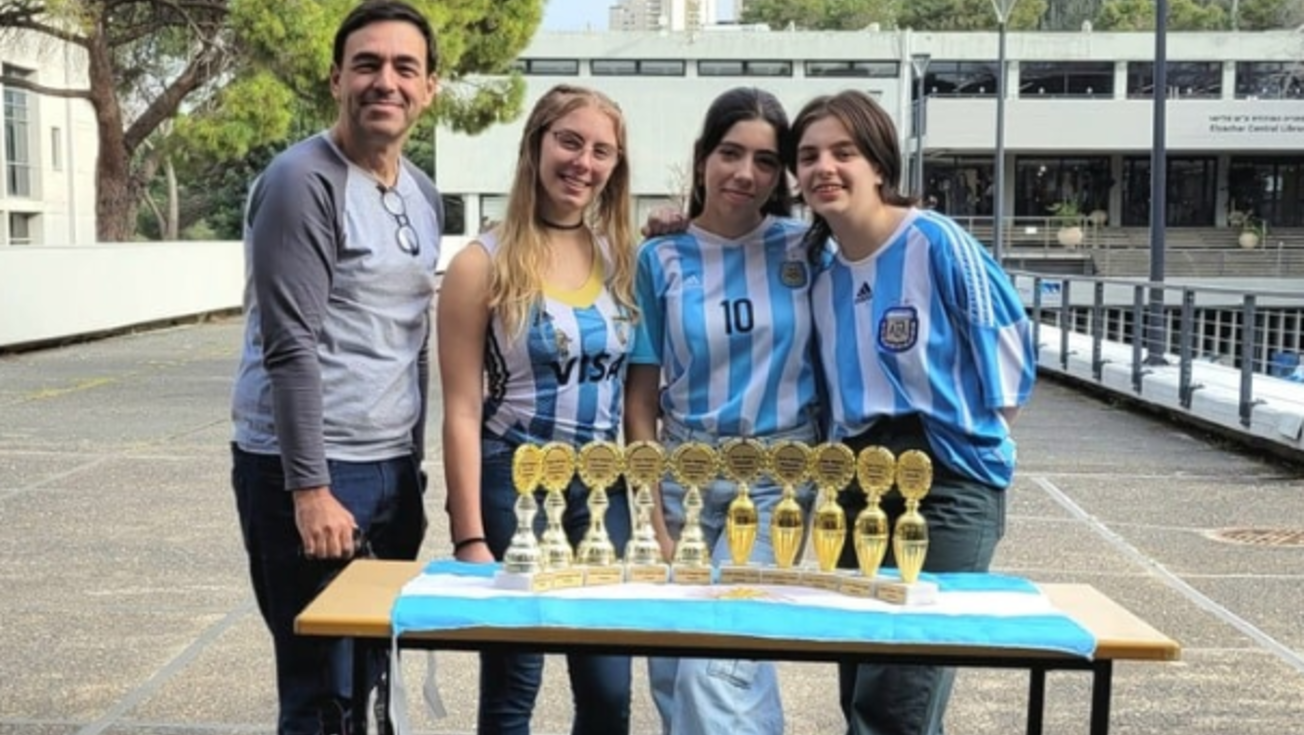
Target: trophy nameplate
914, 478
694, 465
558, 556
645, 463
832, 468
790, 465
742, 461
522, 567
600, 465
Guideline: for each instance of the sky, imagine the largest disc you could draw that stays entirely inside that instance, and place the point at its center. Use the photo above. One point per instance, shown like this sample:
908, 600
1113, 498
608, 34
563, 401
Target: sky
575, 15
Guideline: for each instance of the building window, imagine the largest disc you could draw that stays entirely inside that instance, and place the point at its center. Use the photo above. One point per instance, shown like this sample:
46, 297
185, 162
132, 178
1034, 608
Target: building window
1192, 192
641, 68
21, 226
1066, 79
454, 215
1269, 80
723, 68
1186, 79
873, 69
961, 186
17, 134
1269, 187
1041, 183
548, 67
56, 149
960, 79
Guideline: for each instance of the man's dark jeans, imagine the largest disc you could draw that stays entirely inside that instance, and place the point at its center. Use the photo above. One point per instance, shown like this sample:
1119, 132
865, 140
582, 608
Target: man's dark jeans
314, 675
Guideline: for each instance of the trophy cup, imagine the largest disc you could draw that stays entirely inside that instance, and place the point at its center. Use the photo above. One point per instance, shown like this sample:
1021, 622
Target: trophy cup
522, 564
693, 465
600, 465
914, 478
741, 461
645, 463
790, 465
558, 560
875, 471
832, 466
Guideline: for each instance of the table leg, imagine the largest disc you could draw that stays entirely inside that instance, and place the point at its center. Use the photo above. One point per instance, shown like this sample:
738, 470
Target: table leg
1036, 699
1101, 685
358, 707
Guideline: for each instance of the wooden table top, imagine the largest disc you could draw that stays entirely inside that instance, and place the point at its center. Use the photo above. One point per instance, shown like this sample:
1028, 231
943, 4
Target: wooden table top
358, 604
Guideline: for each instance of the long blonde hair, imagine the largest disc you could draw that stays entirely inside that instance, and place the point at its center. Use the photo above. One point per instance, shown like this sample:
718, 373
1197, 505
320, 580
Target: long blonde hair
517, 281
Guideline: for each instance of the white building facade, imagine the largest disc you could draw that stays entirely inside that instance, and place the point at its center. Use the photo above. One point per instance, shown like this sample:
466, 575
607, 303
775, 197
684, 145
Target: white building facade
1078, 114
47, 193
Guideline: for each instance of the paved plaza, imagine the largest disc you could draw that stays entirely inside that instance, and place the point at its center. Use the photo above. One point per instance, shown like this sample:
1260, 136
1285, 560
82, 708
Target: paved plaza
125, 608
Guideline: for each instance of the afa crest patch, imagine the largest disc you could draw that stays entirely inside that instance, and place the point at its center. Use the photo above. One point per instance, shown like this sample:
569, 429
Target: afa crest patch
794, 274
898, 330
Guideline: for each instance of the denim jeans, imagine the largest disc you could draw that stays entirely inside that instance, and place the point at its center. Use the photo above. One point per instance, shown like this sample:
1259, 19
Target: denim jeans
314, 675
509, 682
966, 519
708, 696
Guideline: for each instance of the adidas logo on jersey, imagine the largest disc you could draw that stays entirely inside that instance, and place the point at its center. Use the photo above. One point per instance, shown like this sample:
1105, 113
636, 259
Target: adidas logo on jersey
692, 281
864, 293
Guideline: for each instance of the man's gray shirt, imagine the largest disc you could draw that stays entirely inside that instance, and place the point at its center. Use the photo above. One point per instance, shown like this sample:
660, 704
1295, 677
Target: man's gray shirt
336, 349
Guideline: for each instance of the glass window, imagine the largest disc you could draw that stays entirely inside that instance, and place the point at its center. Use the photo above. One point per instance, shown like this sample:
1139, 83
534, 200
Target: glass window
724, 68
1191, 197
17, 137
769, 68
631, 67
56, 149
1191, 79
662, 68
454, 215
1066, 79
553, 67
720, 68
876, 69
959, 186
960, 79
1041, 183
20, 228
1270, 188
1270, 80
614, 67
492, 210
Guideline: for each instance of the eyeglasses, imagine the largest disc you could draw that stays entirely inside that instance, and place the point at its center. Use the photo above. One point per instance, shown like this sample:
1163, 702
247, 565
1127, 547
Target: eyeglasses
573, 142
392, 201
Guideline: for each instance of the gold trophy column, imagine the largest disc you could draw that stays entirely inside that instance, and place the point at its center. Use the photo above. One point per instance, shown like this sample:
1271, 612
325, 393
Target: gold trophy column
600, 465
558, 557
833, 466
694, 466
914, 478
645, 463
790, 465
875, 471
522, 563
741, 462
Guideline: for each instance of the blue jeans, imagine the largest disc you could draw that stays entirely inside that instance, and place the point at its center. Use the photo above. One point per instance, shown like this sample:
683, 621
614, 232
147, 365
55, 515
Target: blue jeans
314, 675
708, 696
509, 682
966, 519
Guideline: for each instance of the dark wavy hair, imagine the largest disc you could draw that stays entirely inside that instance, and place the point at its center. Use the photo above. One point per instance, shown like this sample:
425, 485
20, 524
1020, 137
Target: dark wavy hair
742, 104
875, 136
377, 11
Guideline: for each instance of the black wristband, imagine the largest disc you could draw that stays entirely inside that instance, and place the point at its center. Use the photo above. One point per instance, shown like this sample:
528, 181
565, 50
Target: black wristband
468, 542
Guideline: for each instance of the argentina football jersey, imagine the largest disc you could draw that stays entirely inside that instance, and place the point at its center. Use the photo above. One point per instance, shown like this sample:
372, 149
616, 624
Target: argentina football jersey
892, 344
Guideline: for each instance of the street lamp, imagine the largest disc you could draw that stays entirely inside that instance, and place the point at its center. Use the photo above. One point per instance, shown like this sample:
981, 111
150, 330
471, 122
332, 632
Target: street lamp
1002, 8
1158, 185
919, 63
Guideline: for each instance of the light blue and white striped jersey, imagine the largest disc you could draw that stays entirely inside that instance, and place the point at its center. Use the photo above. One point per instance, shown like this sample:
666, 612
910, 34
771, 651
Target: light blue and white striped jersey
729, 323
928, 324
562, 377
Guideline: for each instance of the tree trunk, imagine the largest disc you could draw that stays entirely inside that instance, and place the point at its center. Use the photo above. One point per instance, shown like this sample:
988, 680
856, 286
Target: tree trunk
115, 195
172, 230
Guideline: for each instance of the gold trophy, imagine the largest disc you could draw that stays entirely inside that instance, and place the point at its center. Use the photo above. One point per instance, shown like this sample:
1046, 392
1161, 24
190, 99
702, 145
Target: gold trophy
694, 465
522, 563
790, 465
914, 478
558, 559
600, 465
645, 463
875, 471
741, 462
832, 466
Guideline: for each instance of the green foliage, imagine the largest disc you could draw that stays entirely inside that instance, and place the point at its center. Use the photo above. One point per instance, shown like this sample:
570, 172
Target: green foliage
1260, 15
1067, 213
969, 15
923, 15
1139, 15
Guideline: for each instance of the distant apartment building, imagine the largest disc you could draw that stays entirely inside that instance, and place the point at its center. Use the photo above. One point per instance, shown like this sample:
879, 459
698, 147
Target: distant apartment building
670, 15
47, 161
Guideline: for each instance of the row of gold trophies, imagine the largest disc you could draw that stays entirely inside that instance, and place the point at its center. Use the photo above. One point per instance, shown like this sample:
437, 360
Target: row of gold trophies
548, 562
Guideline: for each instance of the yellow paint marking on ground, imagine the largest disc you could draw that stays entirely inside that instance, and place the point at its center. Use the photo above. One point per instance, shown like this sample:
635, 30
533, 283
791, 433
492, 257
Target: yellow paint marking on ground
47, 393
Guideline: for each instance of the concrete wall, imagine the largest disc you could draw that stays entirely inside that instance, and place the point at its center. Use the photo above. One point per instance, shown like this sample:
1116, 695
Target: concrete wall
51, 293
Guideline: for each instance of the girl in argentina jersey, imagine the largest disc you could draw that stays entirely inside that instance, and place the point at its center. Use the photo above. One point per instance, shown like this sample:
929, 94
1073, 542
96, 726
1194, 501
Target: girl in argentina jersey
923, 344
536, 318
725, 328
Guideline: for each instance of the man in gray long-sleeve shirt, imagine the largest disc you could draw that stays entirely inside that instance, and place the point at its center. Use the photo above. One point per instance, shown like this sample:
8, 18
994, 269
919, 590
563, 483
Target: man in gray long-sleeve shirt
341, 241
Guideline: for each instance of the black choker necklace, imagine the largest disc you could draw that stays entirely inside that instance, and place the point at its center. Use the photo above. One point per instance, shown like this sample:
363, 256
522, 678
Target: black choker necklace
555, 226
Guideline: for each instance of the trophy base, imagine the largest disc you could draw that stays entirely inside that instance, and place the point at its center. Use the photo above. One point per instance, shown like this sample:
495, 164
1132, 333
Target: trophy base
830, 581
855, 585
568, 578
740, 574
788, 577
910, 595
600, 576
690, 575
648, 573
524, 581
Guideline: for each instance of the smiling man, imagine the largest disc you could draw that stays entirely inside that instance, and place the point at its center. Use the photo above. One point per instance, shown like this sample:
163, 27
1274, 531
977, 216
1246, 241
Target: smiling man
341, 241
